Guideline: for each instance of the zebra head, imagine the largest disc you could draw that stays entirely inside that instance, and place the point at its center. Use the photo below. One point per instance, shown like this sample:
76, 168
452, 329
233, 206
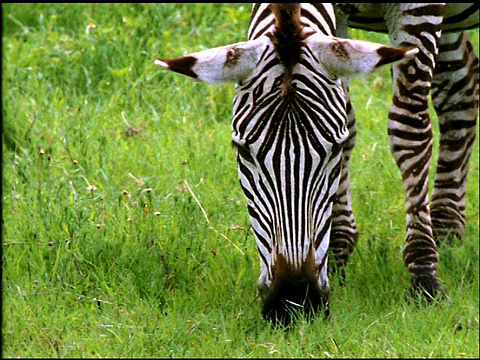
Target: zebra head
289, 121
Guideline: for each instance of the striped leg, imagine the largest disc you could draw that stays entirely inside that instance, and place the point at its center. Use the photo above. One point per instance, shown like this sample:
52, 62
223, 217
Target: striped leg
344, 229
410, 136
344, 233
455, 98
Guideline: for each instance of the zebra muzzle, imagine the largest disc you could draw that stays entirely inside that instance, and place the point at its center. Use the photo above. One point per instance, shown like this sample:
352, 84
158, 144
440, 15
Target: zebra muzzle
294, 291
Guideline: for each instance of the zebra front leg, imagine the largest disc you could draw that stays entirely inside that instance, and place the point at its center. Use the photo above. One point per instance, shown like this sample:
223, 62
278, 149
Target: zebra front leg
344, 233
410, 136
455, 98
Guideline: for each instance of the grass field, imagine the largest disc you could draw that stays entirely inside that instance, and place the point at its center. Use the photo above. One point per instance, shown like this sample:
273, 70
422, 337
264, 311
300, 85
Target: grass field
109, 164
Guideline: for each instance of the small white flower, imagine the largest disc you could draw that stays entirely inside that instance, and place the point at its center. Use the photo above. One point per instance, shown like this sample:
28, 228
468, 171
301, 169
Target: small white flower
90, 26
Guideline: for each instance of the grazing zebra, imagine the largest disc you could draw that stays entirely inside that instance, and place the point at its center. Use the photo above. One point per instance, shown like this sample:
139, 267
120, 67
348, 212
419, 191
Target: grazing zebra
289, 127
447, 68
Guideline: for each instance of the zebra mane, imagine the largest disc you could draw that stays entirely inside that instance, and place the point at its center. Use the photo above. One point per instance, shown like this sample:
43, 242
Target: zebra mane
287, 39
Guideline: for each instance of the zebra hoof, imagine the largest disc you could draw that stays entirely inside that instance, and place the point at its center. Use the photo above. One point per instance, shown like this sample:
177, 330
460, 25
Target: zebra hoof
426, 288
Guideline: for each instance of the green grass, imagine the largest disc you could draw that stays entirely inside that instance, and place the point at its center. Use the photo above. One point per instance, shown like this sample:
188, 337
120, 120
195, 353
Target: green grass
141, 272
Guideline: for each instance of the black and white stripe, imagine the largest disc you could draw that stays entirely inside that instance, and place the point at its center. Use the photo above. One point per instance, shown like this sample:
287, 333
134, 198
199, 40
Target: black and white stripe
291, 132
289, 157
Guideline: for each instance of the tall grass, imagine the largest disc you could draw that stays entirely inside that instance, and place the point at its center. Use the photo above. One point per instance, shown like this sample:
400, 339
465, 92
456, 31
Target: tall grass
125, 231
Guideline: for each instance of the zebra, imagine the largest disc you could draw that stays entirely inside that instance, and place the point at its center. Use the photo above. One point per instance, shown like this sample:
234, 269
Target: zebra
447, 68
289, 126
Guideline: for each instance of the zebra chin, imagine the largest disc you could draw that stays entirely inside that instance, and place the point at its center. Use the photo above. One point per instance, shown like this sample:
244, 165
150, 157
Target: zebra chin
295, 291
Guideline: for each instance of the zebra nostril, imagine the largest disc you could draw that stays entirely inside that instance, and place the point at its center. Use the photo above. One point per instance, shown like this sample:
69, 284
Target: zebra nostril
283, 312
287, 299
294, 290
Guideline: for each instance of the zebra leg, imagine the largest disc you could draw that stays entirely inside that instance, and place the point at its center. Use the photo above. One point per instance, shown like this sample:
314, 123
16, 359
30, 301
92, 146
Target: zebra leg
410, 136
344, 233
455, 98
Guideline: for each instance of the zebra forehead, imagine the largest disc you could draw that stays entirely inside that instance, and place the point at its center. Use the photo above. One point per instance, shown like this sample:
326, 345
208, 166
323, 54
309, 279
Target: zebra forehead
287, 39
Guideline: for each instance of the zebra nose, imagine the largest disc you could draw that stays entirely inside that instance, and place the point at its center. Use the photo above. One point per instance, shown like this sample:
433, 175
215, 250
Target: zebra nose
289, 299
294, 290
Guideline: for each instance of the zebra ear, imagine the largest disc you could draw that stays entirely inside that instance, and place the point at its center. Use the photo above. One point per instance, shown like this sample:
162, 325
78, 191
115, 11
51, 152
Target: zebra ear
231, 63
343, 57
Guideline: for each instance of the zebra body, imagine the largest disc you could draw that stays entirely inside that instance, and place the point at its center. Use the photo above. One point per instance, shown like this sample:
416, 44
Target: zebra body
374, 16
446, 68
289, 125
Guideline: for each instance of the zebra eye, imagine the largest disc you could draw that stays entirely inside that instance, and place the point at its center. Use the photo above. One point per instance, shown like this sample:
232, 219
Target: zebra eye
244, 152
